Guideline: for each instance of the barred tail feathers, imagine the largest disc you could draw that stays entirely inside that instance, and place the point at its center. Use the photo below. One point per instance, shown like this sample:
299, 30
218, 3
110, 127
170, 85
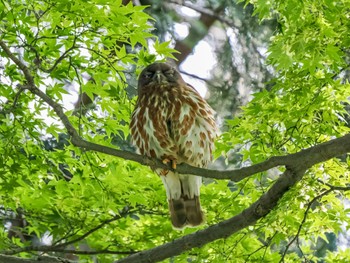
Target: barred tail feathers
183, 198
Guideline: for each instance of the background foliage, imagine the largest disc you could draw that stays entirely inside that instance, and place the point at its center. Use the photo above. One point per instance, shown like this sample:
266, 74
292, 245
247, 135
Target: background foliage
289, 59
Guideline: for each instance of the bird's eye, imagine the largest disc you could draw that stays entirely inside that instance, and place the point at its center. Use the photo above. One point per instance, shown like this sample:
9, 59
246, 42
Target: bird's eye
169, 72
148, 74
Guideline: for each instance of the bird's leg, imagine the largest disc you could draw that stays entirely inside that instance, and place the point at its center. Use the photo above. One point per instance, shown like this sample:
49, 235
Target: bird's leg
166, 161
164, 171
173, 162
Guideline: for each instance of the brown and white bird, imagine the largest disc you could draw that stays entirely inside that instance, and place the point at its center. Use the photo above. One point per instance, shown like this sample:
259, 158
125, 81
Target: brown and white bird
173, 123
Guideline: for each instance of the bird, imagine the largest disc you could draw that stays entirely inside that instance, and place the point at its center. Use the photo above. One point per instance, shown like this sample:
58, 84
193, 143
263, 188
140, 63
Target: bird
173, 123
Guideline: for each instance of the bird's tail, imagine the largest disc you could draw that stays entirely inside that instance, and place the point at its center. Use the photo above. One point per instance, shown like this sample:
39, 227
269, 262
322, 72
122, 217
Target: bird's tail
183, 198
186, 212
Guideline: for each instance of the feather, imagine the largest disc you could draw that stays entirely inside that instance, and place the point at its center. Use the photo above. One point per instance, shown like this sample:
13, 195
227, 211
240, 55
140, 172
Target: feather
183, 197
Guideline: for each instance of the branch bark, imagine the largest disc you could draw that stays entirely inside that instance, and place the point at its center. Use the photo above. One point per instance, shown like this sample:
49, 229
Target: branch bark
196, 34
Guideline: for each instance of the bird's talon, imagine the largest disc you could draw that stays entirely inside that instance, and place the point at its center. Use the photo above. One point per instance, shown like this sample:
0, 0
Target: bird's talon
164, 172
173, 162
165, 161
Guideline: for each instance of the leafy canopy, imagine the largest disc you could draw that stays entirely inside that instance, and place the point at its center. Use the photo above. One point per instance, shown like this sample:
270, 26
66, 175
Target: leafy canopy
95, 47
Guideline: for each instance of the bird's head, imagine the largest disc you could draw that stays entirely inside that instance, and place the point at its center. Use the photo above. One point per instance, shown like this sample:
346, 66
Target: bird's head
159, 74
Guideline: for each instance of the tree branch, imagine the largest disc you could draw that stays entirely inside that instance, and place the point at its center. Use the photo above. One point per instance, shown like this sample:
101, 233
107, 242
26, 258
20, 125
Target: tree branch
41, 259
223, 229
61, 246
63, 56
228, 227
88, 232
185, 46
65, 251
204, 11
28, 76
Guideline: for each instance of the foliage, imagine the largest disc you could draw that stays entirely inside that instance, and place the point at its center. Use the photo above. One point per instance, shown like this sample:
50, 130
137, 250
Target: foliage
74, 199
80, 44
305, 106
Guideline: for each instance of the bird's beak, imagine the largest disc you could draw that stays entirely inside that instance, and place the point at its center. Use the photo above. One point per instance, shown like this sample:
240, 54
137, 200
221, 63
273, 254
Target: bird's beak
159, 76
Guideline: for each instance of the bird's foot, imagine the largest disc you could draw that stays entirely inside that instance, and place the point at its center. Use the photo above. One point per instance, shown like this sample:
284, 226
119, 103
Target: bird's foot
173, 162
166, 161
164, 172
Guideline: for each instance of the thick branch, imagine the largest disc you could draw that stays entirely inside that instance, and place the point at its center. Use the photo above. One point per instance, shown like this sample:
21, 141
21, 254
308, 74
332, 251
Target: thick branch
300, 160
226, 228
28, 76
223, 229
205, 11
196, 34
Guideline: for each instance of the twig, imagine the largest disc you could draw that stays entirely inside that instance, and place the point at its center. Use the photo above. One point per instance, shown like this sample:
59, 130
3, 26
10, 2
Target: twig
60, 247
63, 56
62, 250
205, 11
89, 232
18, 94
41, 259
334, 187
296, 237
302, 222
195, 76
100, 55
